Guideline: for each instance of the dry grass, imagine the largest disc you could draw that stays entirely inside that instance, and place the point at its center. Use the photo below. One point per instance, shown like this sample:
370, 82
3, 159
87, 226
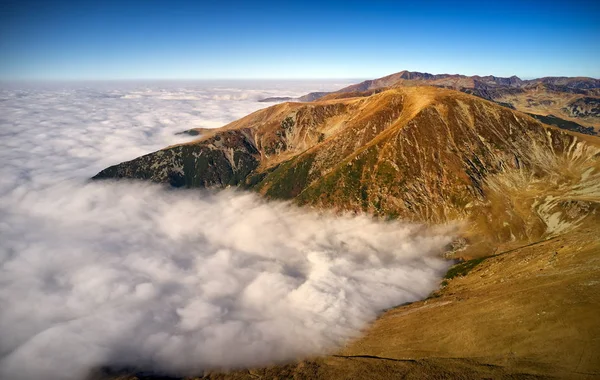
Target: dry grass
533, 309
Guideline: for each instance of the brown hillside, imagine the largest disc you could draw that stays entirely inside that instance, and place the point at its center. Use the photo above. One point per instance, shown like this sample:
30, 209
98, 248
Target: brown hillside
420, 153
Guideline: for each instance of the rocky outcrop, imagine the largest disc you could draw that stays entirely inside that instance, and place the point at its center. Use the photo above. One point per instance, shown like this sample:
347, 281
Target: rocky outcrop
222, 160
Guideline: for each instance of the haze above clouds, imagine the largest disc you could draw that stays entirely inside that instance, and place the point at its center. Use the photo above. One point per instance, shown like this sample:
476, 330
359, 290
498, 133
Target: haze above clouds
138, 275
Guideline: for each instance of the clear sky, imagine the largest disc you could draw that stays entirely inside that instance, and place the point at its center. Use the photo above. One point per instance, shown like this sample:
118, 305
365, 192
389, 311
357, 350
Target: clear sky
294, 39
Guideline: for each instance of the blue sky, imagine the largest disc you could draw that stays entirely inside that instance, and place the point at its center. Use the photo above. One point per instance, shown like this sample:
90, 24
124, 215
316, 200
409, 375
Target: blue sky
312, 39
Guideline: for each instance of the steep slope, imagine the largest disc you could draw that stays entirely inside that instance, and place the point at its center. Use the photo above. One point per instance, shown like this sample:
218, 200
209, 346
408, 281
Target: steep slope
420, 153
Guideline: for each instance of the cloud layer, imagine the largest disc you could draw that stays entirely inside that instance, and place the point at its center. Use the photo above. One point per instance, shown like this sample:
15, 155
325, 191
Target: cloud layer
133, 274
53, 131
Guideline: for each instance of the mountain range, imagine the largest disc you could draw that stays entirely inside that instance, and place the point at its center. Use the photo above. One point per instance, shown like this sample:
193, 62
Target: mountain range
438, 149
570, 102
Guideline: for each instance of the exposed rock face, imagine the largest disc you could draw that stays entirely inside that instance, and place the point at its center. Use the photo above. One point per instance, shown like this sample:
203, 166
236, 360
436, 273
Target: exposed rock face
419, 153
222, 160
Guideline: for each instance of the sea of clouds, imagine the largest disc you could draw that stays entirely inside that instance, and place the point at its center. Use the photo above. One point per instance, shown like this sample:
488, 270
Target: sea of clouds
136, 275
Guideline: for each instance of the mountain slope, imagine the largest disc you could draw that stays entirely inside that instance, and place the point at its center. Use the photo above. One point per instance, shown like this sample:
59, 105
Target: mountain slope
420, 153
527, 195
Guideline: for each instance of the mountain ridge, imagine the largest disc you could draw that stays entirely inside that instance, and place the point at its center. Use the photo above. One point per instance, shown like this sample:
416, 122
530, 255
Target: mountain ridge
474, 81
572, 99
419, 153
526, 195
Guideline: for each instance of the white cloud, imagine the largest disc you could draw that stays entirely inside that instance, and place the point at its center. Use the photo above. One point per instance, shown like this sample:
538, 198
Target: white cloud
100, 273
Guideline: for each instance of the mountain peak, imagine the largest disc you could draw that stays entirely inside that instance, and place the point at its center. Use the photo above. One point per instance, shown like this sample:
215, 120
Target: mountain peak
420, 153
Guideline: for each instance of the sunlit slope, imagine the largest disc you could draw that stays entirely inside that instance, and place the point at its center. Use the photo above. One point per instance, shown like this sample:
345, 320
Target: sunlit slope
419, 153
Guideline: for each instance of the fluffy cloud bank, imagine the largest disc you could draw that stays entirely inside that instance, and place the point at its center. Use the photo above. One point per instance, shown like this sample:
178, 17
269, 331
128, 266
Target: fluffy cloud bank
137, 275
53, 131
131, 274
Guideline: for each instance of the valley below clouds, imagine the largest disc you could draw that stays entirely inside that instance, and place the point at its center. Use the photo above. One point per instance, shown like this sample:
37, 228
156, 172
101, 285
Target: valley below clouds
138, 275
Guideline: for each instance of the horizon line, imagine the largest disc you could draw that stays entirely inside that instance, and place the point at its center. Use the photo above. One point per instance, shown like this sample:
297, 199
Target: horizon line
9, 80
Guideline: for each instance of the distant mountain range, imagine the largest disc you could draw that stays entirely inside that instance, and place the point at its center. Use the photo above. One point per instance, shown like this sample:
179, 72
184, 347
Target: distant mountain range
569, 102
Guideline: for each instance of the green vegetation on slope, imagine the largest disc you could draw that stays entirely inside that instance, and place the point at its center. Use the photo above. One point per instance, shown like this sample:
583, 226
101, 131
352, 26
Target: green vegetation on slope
289, 179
